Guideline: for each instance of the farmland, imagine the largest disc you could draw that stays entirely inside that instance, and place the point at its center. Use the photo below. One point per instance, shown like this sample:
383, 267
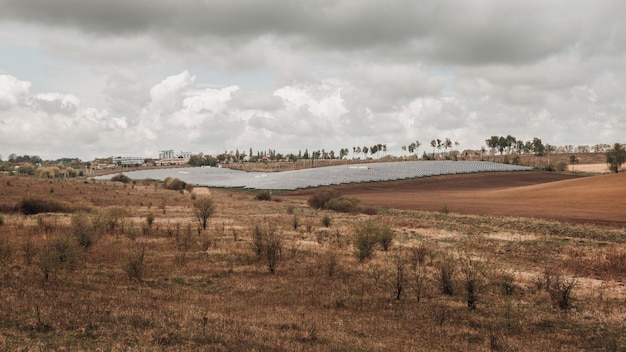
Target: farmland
546, 271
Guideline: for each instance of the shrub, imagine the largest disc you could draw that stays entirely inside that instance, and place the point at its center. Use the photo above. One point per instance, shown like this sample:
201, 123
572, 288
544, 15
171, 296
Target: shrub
1, 220
33, 205
263, 195
385, 237
319, 198
121, 178
365, 240
343, 204
267, 244
6, 251
60, 254
83, 230
326, 221
134, 265
204, 209
445, 275
174, 184
150, 219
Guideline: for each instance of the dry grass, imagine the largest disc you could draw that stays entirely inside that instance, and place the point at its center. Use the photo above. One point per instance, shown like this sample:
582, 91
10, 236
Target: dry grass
207, 290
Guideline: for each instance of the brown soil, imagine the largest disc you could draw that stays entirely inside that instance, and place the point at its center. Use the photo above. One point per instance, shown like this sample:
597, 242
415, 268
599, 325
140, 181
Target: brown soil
595, 199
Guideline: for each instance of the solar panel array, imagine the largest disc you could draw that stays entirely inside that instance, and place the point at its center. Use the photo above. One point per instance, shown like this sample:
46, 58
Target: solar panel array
323, 176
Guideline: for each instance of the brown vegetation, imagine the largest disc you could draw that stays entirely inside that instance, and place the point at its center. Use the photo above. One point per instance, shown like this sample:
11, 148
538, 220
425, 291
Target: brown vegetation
134, 271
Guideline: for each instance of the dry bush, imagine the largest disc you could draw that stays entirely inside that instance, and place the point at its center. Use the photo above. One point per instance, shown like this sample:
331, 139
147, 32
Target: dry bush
446, 274
204, 208
121, 178
267, 244
343, 204
83, 230
367, 234
134, 265
263, 195
174, 184
61, 253
319, 198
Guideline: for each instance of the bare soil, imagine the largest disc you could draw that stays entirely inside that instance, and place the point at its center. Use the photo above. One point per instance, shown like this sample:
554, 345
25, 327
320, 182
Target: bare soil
568, 197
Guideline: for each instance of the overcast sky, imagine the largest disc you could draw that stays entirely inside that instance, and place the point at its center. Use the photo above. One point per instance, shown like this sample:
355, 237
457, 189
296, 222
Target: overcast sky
87, 79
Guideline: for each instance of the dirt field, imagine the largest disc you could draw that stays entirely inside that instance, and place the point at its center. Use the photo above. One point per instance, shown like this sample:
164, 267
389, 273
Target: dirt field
593, 199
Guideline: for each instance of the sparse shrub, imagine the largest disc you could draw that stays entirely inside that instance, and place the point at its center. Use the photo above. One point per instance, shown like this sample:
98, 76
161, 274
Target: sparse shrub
174, 184
258, 241
121, 178
1, 220
60, 254
365, 240
295, 222
330, 261
263, 195
319, 198
473, 280
150, 219
112, 219
560, 291
189, 187
445, 275
326, 221
368, 210
343, 204
273, 250
385, 237
32, 206
6, 251
267, 244
204, 209
83, 230
134, 263
561, 166
399, 259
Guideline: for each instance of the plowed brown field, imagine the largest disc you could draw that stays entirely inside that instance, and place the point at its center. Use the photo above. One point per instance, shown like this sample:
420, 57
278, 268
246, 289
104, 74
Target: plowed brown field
594, 199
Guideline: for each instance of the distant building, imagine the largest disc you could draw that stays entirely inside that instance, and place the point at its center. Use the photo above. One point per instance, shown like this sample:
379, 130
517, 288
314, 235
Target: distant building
170, 154
129, 160
169, 157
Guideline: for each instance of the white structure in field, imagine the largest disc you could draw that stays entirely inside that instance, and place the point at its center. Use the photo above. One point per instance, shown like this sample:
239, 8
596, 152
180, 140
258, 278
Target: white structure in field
170, 154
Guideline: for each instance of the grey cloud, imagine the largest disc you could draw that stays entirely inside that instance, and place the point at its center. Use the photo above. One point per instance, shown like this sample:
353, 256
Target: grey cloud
477, 32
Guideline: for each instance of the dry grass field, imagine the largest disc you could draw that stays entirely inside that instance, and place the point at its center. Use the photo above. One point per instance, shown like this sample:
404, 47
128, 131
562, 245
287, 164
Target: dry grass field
115, 267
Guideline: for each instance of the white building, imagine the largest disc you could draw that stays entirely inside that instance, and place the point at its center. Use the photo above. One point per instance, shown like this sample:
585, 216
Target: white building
170, 154
129, 160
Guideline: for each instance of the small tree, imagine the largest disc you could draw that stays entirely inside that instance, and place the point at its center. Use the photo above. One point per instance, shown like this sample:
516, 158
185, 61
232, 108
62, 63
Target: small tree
204, 209
616, 157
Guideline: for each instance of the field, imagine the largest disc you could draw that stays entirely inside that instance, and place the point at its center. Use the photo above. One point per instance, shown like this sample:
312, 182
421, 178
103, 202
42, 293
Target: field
476, 263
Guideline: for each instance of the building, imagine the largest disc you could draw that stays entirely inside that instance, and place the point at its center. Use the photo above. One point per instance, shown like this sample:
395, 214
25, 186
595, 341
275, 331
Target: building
170, 154
129, 161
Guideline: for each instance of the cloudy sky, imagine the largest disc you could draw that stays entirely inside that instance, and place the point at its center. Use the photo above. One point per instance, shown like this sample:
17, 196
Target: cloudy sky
87, 79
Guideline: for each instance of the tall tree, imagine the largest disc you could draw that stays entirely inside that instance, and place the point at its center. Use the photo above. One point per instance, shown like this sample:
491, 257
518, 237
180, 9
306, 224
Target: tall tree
616, 157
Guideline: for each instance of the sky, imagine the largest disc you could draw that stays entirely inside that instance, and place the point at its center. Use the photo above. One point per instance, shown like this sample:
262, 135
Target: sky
90, 79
